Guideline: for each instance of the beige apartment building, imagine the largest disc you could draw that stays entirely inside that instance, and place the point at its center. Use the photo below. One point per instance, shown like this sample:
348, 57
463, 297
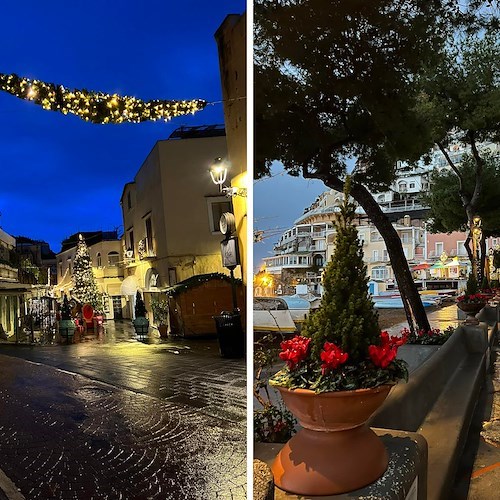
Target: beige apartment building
106, 257
171, 213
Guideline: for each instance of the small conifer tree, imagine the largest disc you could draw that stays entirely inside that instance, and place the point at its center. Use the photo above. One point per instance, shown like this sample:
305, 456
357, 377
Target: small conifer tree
471, 288
140, 307
85, 286
346, 315
65, 308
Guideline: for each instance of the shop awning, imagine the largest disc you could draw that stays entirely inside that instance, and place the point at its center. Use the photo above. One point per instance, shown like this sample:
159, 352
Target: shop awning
129, 286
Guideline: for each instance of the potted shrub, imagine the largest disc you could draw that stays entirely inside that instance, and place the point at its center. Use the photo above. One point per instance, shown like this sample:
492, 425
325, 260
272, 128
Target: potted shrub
471, 301
435, 336
337, 373
66, 324
272, 422
160, 315
141, 322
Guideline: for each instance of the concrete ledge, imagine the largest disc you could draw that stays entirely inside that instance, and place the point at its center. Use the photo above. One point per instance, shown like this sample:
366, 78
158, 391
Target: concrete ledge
8, 489
439, 402
405, 476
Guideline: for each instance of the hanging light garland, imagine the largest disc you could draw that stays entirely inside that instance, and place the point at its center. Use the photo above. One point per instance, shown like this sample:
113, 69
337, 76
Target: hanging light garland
96, 107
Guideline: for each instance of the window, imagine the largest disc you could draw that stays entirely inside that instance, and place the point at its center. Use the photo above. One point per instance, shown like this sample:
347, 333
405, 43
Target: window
405, 238
402, 187
374, 255
386, 256
216, 207
318, 260
439, 249
461, 248
99, 259
113, 258
379, 273
149, 236
412, 185
69, 265
381, 198
375, 236
130, 238
60, 268
129, 200
172, 276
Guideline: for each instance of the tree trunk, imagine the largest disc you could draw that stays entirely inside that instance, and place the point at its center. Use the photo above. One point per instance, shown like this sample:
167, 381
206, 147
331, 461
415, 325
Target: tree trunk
409, 293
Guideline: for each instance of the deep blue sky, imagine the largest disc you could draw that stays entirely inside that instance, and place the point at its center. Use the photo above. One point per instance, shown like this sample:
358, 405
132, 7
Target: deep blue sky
59, 174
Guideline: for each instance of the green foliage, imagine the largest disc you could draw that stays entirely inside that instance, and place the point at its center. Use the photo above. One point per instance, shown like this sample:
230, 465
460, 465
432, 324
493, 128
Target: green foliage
160, 310
337, 81
461, 95
65, 308
273, 423
140, 307
346, 316
362, 375
447, 212
472, 287
432, 337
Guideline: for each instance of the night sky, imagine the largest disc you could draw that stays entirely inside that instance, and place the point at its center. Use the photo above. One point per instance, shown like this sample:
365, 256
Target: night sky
59, 174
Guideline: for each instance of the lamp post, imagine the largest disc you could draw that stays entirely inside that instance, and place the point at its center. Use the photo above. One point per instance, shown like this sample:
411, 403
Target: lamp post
218, 173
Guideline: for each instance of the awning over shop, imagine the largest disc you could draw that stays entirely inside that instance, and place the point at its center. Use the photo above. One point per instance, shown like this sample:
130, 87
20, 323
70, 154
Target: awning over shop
129, 286
438, 265
421, 266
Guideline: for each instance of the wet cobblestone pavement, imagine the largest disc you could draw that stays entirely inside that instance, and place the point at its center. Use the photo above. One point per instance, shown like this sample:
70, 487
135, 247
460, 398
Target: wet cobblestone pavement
123, 420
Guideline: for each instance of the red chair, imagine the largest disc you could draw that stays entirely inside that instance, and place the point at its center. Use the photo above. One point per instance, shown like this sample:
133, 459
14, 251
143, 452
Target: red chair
88, 317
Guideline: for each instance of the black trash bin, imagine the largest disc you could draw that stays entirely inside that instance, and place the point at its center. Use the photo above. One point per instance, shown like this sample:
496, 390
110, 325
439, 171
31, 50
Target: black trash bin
231, 335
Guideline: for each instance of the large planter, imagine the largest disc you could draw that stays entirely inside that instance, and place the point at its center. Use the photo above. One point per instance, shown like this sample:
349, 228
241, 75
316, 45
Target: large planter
67, 329
141, 325
163, 329
335, 451
471, 309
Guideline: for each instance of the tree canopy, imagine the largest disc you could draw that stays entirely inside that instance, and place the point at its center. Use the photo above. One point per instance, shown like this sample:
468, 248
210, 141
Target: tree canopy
337, 79
447, 212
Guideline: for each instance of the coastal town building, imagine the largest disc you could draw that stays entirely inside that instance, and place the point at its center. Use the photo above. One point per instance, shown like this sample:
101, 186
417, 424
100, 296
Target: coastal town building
303, 250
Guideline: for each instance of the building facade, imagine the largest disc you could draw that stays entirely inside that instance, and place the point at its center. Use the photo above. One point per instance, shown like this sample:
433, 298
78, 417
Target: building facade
106, 257
171, 213
13, 294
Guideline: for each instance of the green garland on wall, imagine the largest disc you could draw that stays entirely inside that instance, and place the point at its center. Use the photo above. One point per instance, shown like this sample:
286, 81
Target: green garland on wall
198, 280
96, 107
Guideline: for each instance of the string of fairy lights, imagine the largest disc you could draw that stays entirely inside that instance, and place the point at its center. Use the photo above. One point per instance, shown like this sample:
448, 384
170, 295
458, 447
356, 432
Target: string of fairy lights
96, 107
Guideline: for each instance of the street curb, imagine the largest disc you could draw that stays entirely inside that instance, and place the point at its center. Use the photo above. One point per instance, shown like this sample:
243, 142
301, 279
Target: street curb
9, 488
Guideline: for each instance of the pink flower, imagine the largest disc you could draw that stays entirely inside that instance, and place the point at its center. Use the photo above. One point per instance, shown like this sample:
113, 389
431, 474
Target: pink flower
332, 357
294, 350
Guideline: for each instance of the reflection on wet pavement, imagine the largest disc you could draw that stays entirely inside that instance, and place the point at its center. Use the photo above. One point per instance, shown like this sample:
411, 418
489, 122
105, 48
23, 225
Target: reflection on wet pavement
123, 419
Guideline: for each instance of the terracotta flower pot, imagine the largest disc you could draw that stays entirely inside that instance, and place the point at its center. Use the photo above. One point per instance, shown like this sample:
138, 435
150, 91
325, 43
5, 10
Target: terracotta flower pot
471, 309
335, 451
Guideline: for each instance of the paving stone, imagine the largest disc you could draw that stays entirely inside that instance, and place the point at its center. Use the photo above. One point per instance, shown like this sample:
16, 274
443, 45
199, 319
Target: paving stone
116, 423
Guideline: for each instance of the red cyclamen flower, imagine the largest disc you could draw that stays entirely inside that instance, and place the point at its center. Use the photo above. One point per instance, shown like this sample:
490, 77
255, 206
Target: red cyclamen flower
382, 356
294, 350
332, 357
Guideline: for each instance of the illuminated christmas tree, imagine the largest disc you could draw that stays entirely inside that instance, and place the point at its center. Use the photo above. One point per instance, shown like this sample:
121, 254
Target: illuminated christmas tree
85, 286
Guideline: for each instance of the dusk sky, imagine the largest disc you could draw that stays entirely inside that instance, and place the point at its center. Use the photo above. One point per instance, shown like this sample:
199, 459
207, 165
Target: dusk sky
61, 175
278, 201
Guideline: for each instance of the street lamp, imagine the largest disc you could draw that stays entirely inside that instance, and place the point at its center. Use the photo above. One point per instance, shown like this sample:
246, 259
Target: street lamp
218, 173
